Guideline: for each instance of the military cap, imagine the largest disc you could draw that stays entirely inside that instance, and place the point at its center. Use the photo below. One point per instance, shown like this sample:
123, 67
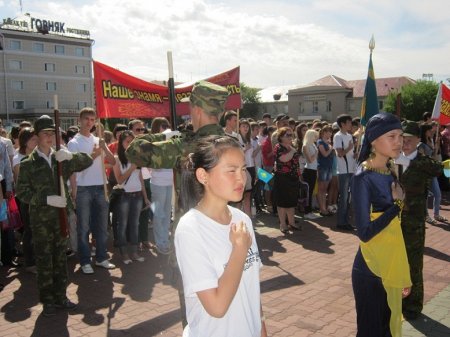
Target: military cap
410, 129
208, 96
44, 123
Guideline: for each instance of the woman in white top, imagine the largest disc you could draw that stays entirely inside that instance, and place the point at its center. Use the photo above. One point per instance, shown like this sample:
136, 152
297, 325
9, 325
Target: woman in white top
27, 143
161, 185
129, 177
310, 152
215, 245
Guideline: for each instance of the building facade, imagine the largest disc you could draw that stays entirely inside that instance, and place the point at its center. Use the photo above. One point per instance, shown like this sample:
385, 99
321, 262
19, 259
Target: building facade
38, 60
326, 98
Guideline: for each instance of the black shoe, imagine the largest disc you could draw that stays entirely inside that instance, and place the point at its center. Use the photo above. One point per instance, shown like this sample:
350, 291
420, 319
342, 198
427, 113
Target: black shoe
66, 304
346, 227
49, 310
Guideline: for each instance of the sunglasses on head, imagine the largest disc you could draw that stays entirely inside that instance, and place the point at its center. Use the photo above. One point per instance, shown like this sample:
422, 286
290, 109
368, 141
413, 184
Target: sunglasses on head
288, 135
140, 129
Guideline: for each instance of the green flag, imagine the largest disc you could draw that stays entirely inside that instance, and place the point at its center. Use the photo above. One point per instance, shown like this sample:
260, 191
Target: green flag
369, 105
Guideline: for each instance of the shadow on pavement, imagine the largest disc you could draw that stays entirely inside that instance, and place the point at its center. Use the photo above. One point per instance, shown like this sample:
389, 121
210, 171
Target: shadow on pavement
152, 327
267, 246
436, 254
312, 237
24, 298
429, 327
280, 282
54, 326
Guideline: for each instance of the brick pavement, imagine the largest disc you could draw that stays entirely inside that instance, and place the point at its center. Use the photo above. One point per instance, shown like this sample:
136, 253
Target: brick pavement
305, 283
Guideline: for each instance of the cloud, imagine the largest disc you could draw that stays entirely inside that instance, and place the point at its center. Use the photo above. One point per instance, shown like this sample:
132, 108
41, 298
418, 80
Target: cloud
274, 42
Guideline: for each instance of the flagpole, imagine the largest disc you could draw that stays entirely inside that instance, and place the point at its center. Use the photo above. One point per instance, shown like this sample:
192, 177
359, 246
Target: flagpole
171, 83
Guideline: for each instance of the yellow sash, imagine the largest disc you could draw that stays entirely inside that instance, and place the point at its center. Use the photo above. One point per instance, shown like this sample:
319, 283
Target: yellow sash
385, 255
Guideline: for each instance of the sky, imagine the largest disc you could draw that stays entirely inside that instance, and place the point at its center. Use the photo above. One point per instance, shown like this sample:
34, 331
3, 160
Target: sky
275, 42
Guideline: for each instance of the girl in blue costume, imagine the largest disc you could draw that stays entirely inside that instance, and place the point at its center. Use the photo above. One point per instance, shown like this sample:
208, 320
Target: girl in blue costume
380, 275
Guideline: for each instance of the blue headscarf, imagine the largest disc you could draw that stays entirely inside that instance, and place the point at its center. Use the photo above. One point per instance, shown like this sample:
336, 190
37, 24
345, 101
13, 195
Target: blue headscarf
377, 126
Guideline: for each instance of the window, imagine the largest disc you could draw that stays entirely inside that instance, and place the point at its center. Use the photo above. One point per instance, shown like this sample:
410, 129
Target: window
82, 87
80, 69
328, 106
315, 107
51, 86
79, 51
49, 104
15, 44
17, 85
38, 47
300, 107
380, 105
81, 105
19, 105
15, 64
59, 49
50, 67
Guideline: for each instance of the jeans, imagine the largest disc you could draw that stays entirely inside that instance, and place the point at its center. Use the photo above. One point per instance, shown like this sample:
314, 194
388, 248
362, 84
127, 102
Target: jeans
343, 207
145, 215
129, 208
162, 208
91, 204
436, 191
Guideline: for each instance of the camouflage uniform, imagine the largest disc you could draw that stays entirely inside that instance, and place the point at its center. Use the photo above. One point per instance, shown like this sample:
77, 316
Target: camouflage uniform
415, 182
36, 181
155, 152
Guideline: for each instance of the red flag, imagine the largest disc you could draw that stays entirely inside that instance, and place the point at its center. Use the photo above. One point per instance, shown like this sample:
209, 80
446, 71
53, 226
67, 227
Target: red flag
444, 117
119, 95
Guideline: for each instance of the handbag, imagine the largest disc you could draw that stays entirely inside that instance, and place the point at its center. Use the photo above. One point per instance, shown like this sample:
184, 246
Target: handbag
14, 221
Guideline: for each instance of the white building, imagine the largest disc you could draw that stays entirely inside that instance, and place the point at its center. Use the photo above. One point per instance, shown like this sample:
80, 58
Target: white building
38, 60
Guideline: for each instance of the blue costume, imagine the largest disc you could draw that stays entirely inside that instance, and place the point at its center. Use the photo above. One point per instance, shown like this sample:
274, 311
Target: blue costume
371, 193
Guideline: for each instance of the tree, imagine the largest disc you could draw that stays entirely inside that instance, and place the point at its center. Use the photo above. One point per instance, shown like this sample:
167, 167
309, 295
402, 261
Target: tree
250, 101
415, 99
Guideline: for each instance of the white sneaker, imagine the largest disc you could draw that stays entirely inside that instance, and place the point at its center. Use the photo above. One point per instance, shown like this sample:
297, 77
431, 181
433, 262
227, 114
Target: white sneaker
105, 264
311, 216
87, 269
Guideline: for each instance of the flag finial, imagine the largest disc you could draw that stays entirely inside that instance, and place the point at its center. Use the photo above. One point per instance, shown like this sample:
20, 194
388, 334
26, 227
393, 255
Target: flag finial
372, 44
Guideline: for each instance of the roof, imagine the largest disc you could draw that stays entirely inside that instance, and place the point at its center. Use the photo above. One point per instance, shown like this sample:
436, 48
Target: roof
329, 81
269, 95
384, 85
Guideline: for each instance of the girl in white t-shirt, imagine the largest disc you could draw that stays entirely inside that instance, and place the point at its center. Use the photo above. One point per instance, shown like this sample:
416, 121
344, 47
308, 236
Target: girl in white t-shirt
215, 245
130, 202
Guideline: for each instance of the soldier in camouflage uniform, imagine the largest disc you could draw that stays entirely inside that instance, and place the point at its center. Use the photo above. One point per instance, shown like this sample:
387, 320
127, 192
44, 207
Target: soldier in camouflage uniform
415, 180
37, 187
207, 103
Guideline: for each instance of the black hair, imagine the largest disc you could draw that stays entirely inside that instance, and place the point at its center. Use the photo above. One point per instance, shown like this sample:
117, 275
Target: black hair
118, 128
423, 132
24, 136
120, 149
341, 119
426, 115
206, 155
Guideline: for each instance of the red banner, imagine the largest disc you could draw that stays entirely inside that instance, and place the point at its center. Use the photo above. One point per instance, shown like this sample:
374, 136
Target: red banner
119, 95
444, 117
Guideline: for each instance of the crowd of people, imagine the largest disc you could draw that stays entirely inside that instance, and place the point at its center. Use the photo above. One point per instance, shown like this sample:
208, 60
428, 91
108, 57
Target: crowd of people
124, 179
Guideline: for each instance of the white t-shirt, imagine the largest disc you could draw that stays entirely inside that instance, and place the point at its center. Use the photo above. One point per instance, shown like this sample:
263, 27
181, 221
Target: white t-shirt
341, 141
203, 249
312, 151
162, 177
133, 183
17, 159
93, 175
249, 160
146, 173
